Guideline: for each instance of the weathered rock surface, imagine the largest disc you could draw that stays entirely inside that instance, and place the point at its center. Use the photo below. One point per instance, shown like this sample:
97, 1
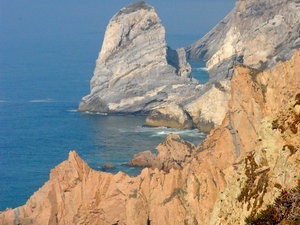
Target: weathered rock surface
237, 170
171, 154
209, 110
266, 128
203, 112
142, 159
172, 115
257, 33
136, 70
178, 59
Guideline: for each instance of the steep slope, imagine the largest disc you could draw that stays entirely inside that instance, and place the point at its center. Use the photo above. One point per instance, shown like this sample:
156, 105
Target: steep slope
266, 117
240, 167
257, 33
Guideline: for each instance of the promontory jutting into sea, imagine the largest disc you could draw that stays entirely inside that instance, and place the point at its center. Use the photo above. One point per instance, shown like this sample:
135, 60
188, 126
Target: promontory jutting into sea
237, 161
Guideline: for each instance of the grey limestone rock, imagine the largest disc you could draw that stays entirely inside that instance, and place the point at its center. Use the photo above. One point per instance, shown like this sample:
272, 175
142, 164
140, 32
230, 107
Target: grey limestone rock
136, 70
256, 33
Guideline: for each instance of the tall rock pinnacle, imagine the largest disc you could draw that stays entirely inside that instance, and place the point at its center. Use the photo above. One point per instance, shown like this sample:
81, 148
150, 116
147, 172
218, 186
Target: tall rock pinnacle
135, 69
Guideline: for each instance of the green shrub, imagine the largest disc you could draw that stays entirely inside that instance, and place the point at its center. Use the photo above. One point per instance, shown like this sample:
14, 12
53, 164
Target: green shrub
285, 208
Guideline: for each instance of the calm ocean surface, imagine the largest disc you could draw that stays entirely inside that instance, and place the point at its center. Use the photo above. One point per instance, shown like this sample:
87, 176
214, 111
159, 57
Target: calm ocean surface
41, 84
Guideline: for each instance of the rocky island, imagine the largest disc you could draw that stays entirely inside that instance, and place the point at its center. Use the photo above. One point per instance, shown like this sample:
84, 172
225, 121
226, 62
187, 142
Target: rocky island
137, 71
249, 158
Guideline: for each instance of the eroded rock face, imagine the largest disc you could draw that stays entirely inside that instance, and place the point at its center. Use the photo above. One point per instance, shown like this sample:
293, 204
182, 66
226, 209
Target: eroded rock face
205, 110
237, 170
240, 167
264, 106
256, 33
142, 159
136, 71
172, 115
209, 110
172, 153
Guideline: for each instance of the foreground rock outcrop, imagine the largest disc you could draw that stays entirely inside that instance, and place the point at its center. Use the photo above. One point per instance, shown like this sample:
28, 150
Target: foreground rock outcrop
137, 72
257, 33
240, 167
263, 112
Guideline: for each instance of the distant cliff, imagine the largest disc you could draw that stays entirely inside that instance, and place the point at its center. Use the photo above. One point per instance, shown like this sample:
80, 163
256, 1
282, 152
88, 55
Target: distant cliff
256, 33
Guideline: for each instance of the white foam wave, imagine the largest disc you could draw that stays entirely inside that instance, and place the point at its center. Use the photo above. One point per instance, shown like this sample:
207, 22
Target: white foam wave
164, 131
41, 100
72, 110
200, 69
95, 113
1, 101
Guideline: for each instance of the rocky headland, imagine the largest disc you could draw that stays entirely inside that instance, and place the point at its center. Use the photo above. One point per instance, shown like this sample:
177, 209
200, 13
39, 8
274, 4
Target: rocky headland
240, 168
246, 161
137, 72
256, 33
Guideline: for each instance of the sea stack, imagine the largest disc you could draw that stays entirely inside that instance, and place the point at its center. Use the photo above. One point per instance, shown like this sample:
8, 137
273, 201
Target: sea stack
136, 70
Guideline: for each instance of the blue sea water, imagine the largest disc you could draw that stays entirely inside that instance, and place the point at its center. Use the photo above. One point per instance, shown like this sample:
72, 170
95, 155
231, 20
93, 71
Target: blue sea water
41, 83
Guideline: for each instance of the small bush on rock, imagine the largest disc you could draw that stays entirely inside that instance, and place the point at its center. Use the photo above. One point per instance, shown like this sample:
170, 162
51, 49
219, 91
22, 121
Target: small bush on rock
285, 210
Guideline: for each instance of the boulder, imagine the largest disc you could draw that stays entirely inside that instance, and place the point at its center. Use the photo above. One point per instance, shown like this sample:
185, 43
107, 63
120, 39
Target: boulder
172, 153
108, 166
142, 159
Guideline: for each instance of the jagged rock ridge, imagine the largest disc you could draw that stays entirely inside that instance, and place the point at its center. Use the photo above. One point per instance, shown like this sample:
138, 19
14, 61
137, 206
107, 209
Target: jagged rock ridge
240, 167
256, 33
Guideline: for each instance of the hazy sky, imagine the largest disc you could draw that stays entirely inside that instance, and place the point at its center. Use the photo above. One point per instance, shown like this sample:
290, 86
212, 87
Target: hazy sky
64, 18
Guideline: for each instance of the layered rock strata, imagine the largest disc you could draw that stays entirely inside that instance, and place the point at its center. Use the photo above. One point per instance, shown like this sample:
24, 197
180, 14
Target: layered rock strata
240, 167
205, 110
256, 33
172, 115
136, 70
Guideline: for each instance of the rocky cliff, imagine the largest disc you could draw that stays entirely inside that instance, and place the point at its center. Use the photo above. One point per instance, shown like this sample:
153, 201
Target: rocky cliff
240, 167
257, 33
136, 70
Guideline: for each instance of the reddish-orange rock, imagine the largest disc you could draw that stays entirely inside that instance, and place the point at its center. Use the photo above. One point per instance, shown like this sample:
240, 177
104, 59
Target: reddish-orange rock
240, 167
172, 153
